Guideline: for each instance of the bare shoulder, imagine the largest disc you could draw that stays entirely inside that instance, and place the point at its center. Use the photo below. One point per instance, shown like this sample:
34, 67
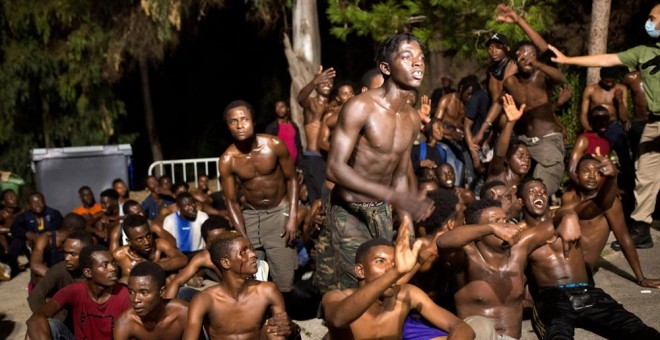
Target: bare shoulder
228, 154
120, 252
569, 198
336, 295
179, 307
360, 106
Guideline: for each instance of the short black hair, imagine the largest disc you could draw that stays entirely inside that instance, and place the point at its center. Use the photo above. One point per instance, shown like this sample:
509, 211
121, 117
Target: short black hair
474, 210
128, 204
111, 193
428, 128
513, 146
178, 185
364, 248
593, 119
36, 193
83, 237
524, 182
467, 82
213, 223
445, 209
148, 268
85, 259
133, 221
485, 192
369, 76
235, 104
391, 45
527, 43
220, 248
84, 187
73, 221
586, 157
118, 180
611, 72
180, 197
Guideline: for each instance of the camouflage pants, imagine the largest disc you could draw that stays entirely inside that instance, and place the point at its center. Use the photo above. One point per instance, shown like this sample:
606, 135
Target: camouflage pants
346, 227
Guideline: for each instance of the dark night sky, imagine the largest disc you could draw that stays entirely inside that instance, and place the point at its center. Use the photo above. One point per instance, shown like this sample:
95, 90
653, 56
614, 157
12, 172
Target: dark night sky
219, 59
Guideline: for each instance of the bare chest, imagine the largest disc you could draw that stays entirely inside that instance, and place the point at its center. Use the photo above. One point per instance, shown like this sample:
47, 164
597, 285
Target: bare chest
255, 164
389, 132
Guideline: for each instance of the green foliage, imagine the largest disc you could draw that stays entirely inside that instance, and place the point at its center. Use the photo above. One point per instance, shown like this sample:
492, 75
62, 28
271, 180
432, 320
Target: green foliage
568, 114
459, 25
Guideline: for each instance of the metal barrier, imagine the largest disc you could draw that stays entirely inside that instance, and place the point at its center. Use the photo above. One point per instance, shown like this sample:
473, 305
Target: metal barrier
188, 169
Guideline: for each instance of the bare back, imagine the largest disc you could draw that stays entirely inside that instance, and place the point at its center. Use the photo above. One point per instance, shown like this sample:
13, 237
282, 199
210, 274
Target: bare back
258, 172
380, 136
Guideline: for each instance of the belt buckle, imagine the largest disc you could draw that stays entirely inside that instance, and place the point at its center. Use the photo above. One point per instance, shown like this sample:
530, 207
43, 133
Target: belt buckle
534, 140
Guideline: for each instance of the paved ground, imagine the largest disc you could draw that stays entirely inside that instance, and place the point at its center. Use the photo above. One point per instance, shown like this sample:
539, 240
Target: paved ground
615, 277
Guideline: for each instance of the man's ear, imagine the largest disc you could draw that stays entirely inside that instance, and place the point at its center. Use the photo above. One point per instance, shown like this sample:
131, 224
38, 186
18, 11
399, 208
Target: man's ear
450, 224
225, 264
384, 68
87, 272
359, 271
162, 292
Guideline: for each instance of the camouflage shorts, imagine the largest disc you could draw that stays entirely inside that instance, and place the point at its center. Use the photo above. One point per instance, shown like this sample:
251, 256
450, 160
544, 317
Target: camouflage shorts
346, 227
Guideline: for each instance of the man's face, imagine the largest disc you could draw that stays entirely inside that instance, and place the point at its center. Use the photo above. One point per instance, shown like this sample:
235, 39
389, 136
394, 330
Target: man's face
599, 121
535, 198
135, 210
120, 188
407, 67
376, 263
144, 293
466, 94
104, 270
493, 215
520, 161
141, 240
524, 55
344, 93
324, 89
281, 109
165, 183
71, 249
607, 83
588, 174
654, 16
109, 205
152, 184
36, 204
497, 51
446, 176
87, 197
187, 208
239, 121
203, 183
243, 258
10, 200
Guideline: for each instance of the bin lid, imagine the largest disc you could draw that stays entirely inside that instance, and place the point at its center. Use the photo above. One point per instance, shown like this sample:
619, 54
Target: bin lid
80, 151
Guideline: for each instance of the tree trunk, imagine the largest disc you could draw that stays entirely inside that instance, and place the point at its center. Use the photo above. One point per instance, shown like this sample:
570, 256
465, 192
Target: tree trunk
304, 57
152, 132
600, 20
45, 109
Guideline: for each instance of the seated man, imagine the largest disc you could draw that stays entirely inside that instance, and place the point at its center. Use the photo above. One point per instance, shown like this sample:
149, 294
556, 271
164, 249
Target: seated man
446, 177
46, 250
378, 308
94, 304
186, 225
152, 316
89, 208
499, 191
9, 211
236, 306
102, 228
562, 288
212, 229
63, 273
119, 238
142, 247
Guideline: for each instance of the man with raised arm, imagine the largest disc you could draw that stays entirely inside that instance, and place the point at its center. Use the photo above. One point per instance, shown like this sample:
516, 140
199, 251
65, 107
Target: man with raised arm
369, 160
378, 308
647, 181
262, 166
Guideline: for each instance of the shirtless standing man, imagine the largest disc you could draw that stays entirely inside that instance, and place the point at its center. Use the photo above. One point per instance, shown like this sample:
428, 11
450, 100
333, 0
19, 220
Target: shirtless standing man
329, 119
533, 85
262, 166
151, 317
235, 307
314, 108
369, 162
379, 307
142, 247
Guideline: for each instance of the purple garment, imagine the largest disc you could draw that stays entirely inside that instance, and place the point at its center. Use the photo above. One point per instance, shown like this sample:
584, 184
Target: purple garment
416, 329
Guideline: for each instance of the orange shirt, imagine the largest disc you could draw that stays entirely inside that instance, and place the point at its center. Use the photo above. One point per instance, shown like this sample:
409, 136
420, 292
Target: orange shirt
81, 210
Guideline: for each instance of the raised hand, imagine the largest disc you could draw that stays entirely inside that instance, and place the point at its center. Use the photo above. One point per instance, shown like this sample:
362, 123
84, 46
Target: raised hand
606, 167
425, 109
405, 258
506, 14
565, 95
510, 110
324, 76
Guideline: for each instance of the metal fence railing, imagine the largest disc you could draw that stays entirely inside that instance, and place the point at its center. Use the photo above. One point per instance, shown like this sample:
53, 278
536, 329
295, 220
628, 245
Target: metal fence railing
188, 170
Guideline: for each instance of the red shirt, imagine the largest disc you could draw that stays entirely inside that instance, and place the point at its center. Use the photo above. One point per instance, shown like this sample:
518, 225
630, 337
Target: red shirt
91, 320
596, 141
288, 135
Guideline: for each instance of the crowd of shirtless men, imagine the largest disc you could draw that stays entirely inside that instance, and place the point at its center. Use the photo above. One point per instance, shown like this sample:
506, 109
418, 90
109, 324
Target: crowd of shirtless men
404, 216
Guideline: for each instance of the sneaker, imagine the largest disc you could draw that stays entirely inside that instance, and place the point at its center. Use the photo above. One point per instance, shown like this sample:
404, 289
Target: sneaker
640, 234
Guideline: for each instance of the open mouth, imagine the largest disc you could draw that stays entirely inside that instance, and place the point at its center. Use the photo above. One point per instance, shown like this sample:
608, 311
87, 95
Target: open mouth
418, 75
449, 182
539, 203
